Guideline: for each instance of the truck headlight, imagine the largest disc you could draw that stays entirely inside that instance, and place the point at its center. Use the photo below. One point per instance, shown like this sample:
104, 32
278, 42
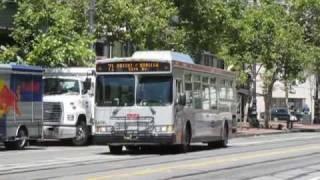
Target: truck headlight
70, 117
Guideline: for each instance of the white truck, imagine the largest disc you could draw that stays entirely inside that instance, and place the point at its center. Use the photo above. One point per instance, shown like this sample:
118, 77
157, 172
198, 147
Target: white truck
68, 104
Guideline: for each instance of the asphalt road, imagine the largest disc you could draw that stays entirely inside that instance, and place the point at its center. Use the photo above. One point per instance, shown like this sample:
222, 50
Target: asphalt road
272, 157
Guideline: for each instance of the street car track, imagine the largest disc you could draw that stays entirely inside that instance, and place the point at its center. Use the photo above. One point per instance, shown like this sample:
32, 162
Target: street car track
174, 159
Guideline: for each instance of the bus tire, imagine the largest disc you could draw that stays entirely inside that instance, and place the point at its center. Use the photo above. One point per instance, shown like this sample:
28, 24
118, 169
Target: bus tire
82, 134
133, 149
115, 149
19, 144
225, 137
185, 146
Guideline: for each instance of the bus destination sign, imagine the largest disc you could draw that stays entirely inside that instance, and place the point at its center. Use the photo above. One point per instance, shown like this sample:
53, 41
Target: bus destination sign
145, 66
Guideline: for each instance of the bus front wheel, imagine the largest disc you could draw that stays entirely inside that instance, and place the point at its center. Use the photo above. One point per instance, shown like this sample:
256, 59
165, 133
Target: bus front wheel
115, 149
185, 146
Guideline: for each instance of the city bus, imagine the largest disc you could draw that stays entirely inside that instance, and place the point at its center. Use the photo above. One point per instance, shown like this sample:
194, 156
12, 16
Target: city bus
162, 98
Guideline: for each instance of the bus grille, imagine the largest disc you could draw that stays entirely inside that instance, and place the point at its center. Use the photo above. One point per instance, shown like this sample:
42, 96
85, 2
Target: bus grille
143, 125
52, 111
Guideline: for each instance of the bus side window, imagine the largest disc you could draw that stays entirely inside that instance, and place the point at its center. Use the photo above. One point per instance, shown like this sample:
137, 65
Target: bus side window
197, 100
223, 90
178, 90
213, 97
188, 91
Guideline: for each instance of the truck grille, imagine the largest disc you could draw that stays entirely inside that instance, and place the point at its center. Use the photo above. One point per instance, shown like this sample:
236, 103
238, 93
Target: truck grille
52, 111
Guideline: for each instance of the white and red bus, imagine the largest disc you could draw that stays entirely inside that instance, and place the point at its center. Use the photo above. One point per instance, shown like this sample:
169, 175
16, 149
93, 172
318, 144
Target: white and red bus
162, 98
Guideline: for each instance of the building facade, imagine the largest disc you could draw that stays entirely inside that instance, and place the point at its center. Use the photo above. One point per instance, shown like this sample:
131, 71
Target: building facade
300, 97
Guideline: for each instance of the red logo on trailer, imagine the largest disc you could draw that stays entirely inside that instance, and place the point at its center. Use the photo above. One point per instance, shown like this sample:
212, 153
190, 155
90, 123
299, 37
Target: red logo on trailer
8, 99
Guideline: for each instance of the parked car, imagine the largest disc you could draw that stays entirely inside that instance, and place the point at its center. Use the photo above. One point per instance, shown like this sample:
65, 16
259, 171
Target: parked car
280, 114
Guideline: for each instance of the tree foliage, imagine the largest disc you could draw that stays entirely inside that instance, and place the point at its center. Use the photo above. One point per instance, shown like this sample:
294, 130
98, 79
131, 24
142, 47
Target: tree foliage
268, 35
307, 14
48, 33
146, 24
206, 24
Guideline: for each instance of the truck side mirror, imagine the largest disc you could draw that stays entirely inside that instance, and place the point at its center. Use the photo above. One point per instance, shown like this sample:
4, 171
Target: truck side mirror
87, 84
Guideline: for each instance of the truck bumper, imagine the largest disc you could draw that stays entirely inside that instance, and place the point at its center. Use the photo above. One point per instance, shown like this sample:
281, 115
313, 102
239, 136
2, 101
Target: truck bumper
134, 140
58, 132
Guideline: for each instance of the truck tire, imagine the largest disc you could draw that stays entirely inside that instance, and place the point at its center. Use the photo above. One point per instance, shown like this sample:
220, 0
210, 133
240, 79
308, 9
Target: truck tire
20, 143
82, 134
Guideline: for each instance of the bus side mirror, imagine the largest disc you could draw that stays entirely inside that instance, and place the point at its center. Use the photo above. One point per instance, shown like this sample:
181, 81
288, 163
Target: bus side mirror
87, 84
182, 99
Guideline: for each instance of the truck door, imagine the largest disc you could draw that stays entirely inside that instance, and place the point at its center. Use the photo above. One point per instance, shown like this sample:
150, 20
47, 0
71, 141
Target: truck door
86, 102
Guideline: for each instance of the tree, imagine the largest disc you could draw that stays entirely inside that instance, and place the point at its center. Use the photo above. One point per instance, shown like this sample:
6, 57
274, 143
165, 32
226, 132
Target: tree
146, 24
205, 23
307, 13
269, 36
52, 33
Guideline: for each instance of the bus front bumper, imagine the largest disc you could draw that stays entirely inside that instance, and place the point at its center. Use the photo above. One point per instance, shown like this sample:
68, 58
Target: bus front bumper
162, 139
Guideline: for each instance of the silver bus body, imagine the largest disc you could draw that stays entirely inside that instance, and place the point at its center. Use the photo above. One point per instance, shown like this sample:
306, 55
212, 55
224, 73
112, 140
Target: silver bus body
208, 110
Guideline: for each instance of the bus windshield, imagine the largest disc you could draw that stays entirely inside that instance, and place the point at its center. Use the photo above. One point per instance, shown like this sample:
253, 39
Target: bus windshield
54, 86
154, 90
115, 90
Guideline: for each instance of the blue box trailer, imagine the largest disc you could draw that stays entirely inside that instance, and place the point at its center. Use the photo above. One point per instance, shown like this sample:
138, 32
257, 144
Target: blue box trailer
21, 106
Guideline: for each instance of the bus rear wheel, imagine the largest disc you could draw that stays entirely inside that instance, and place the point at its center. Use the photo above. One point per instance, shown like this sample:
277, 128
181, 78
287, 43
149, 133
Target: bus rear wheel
20, 142
115, 149
224, 141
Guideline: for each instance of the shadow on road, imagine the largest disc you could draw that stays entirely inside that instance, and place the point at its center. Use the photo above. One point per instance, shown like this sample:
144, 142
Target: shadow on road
28, 148
160, 150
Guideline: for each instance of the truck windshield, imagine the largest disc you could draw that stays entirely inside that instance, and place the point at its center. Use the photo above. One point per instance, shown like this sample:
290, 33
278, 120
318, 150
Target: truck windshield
154, 90
115, 90
53, 86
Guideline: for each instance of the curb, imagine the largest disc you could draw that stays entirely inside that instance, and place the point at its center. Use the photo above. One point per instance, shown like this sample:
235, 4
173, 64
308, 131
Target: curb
235, 135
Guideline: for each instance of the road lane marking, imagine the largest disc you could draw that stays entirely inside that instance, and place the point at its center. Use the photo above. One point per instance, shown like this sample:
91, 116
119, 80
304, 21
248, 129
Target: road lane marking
193, 164
272, 141
315, 178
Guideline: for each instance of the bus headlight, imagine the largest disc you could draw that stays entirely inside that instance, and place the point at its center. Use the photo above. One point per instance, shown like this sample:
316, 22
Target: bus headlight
164, 128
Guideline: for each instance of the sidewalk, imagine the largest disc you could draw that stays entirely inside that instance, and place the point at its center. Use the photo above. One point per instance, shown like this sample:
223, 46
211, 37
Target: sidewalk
245, 130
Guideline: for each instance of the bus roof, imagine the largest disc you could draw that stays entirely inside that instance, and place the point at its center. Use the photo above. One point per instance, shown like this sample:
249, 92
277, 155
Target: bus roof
163, 55
153, 55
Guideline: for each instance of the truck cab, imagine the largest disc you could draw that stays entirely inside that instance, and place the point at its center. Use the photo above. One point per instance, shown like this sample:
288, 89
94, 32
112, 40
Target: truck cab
68, 104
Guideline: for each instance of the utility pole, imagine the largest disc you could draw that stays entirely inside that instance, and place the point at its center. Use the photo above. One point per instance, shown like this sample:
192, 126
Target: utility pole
92, 12
253, 109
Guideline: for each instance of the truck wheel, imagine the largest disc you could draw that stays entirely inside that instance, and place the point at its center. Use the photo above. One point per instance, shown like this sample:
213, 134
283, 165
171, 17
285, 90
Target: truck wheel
115, 149
82, 135
20, 143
